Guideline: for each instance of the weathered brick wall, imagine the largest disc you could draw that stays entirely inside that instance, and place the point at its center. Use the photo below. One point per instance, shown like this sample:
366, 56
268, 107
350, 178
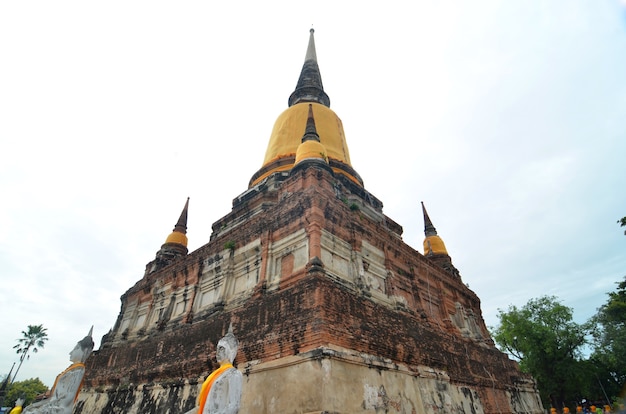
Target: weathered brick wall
312, 313
310, 309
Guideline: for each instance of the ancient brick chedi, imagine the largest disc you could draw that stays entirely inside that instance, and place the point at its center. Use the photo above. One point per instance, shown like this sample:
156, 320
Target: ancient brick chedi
333, 311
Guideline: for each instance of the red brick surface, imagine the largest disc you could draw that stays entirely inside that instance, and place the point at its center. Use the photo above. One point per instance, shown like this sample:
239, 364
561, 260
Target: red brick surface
310, 308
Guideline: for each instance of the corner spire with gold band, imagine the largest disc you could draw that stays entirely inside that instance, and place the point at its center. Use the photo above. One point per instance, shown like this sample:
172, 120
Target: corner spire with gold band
179, 233
311, 149
286, 135
175, 245
434, 248
433, 245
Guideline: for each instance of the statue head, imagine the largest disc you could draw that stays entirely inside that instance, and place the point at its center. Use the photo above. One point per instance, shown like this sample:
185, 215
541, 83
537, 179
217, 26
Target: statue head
83, 348
227, 347
19, 402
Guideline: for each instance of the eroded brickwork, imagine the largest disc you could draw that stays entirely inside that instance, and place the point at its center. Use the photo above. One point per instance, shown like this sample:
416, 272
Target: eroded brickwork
304, 262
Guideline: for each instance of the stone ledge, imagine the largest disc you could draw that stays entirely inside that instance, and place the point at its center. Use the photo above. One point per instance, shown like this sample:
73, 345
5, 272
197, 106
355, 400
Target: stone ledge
344, 355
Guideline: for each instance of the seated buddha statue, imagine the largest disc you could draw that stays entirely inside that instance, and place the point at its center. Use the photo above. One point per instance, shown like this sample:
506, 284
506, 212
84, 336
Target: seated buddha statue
67, 384
18, 406
221, 391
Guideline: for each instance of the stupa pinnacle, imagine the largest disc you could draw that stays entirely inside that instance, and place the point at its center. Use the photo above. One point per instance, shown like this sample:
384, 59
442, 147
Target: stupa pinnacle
432, 243
175, 245
286, 134
310, 87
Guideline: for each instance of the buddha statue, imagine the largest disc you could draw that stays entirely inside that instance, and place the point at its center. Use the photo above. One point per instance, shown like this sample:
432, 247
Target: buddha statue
221, 391
67, 384
18, 406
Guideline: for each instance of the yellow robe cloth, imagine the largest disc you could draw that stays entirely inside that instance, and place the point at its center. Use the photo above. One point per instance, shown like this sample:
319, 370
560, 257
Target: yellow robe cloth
208, 383
68, 369
16, 410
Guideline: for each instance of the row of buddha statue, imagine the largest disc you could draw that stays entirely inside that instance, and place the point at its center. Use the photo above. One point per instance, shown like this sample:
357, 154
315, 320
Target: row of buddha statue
220, 392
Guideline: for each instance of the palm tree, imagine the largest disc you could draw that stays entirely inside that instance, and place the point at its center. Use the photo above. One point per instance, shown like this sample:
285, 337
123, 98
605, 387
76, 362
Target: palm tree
35, 338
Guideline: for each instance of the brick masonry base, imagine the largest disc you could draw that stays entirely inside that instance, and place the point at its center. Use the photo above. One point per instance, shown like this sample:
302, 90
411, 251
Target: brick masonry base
327, 380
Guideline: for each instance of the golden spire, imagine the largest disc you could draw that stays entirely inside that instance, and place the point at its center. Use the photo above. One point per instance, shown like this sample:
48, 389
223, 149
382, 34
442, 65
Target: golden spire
286, 135
179, 234
311, 148
433, 245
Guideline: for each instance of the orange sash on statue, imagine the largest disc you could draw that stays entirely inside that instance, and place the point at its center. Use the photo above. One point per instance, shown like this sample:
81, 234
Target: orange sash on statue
208, 383
71, 367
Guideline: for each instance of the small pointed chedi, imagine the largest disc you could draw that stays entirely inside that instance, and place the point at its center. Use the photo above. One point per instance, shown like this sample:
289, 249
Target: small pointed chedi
175, 245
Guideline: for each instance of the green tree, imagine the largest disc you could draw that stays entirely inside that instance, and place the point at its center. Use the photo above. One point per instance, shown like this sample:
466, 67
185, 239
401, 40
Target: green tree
609, 353
32, 340
622, 223
28, 389
546, 341
4, 384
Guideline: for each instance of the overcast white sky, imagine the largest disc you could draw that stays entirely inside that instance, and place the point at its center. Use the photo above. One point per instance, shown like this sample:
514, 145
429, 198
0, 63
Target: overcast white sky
507, 118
